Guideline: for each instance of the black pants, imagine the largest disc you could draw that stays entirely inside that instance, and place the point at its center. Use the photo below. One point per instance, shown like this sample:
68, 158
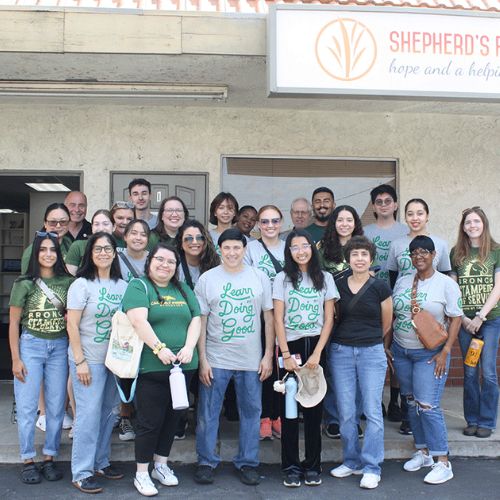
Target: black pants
270, 398
312, 421
156, 419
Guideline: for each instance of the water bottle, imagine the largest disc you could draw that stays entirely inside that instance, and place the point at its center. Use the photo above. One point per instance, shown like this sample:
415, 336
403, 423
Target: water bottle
178, 388
474, 352
290, 401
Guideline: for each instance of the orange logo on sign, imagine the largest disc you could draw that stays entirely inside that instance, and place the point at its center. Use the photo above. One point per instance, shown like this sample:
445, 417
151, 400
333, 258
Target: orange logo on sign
346, 49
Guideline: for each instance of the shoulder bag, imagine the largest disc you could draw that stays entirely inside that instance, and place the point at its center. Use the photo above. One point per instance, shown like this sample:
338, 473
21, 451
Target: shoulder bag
277, 266
430, 332
53, 298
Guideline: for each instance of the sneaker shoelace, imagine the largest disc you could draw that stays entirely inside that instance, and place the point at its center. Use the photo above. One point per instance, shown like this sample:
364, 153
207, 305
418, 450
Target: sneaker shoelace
126, 427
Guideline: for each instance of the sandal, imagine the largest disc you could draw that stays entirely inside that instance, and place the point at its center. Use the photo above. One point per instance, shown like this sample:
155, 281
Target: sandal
50, 472
30, 474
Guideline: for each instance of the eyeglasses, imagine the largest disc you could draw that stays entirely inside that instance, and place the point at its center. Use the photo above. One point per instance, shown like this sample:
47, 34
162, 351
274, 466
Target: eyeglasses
268, 222
190, 239
55, 223
473, 209
108, 249
300, 212
122, 204
174, 210
382, 202
162, 261
420, 252
298, 248
45, 234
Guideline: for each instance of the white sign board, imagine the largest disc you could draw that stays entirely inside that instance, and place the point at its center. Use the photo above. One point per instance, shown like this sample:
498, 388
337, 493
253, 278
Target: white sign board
383, 52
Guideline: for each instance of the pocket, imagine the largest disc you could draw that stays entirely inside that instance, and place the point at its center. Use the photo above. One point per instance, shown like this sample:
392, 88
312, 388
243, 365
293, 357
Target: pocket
28, 336
334, 347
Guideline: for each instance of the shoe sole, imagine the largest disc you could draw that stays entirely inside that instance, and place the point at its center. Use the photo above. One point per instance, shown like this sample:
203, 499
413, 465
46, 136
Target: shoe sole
312, 483
157, 477
144, 494
366, 487
83, 490
439, 482
418, 468
352, 473
265, 438
126, 437
291, 485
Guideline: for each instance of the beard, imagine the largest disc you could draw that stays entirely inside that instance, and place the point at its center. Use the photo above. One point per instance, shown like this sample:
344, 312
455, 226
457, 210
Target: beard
322, 218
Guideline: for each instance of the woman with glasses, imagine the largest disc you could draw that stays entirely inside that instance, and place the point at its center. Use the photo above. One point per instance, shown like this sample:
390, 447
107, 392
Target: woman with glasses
422, 372
475, 261
92, 300
166, 316
303, 298
171, 215
101, 221
122, 212
40, 355
223, 211
268, 255
55, 220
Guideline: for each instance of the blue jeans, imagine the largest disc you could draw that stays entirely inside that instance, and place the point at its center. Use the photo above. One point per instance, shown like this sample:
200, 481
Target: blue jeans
362, 367
95, 416
423, 393
248, 397
46, 361
481, 400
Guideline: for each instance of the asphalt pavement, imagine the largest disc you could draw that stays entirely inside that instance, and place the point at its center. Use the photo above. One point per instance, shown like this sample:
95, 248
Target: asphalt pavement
475, 478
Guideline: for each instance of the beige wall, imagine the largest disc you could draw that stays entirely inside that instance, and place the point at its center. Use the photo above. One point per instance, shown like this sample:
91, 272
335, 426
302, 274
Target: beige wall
451, 161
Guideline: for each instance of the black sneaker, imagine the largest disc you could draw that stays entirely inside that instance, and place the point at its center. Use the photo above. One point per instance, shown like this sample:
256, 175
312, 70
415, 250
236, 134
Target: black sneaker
88, 485
333, 431
204, 474
249, 475
312, 478
394, 414
127, 432
291, 480
470, 430
109, 472
405, 428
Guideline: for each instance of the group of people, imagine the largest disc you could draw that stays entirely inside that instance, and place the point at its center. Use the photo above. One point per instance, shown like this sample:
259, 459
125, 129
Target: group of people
327, 302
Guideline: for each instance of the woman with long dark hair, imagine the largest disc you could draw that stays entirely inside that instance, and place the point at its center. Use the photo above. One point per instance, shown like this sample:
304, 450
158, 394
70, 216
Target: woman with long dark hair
303, 298
171, 215
92, 300
475, 261
223, 214
40, 355
166, 316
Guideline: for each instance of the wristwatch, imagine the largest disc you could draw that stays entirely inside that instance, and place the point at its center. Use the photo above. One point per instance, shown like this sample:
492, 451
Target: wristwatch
482, 317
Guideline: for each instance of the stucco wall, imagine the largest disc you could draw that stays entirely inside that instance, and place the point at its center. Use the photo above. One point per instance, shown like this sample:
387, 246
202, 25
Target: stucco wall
451, 161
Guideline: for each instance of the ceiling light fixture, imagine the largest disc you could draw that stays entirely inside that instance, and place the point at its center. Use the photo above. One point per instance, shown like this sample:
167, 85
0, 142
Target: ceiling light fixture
47, 186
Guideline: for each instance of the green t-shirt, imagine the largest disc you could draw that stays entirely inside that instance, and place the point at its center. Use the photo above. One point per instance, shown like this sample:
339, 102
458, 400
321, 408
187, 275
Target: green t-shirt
476, 281
169, 320
75, 253
333, 268
154, 238
40, 317
316, 232
25, 259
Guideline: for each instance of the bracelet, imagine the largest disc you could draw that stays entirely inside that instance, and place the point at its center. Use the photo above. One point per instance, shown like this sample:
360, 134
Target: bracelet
287, 358
482, 317
158, 347
285, 352
81, 362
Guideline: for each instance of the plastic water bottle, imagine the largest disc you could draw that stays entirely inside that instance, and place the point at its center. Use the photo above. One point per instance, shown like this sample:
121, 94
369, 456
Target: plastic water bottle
290, 401
178, 389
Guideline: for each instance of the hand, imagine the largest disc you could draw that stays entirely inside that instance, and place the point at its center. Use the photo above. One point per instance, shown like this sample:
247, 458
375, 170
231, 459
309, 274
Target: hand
290, 364
205, 373
440, 360
474, 325
390, 359
313, 360
185, 355
265, 367
19, 370
166, 356
83, 373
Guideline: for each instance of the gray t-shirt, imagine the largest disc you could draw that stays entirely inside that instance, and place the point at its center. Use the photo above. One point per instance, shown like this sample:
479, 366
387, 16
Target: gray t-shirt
382, 238
399, 256
232, 303
257, 256
153, 221
98, 300
304, 307
137, 264
439, 295
194, 271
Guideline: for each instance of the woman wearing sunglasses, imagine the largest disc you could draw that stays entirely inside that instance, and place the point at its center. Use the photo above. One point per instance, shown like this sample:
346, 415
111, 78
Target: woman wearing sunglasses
55, 220
475, 261
92, 300
268, 255
40, 355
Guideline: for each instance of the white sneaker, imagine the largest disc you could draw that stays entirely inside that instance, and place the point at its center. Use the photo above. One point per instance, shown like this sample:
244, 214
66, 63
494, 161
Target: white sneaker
70, 433
144, 485
440, 473
41, 423
417, 461
344, 471
67, 421
369, 481
164, 474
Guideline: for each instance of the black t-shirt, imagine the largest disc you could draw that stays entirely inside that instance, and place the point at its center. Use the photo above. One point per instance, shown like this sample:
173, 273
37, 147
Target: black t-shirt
83, 234
362, 326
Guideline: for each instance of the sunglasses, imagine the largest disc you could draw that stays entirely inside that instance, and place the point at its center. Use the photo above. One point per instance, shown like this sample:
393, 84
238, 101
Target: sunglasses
386, 202
473, 209
268, 222
190, 239
46, 234
55, 223
122, 204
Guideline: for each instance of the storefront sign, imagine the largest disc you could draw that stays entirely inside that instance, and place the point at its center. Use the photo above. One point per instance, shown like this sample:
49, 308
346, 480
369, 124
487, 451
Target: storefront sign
383, 52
